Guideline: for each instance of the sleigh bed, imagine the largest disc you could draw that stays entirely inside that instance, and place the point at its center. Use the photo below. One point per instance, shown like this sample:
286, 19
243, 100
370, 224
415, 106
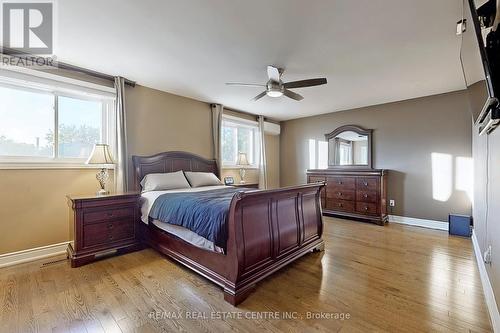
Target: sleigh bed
266, 230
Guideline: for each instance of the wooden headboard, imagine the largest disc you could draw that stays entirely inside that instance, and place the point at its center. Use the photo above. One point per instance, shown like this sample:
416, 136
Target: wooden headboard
170, 161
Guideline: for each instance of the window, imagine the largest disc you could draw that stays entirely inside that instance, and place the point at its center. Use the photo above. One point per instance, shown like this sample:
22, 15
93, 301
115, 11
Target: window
80, 127
345, 153
27, 118
239, 136
46, 126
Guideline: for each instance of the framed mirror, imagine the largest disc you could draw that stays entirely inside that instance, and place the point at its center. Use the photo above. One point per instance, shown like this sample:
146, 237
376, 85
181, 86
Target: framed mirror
350, 146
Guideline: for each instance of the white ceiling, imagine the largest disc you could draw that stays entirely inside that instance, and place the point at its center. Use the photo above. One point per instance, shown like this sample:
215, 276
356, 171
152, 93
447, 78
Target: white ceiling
371, 51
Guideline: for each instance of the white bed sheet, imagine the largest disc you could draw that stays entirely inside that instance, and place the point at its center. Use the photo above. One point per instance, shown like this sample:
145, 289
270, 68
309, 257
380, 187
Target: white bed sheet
149, 198
188, 236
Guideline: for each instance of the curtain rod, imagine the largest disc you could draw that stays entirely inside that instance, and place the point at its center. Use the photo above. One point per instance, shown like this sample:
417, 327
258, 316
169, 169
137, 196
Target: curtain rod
250, 114
62, 65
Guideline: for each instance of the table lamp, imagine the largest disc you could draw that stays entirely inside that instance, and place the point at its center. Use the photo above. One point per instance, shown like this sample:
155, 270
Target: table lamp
243, 162
101, 155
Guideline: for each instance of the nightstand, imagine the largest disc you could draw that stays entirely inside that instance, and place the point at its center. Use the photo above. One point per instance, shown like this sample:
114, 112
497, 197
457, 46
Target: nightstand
102, 225
248, 185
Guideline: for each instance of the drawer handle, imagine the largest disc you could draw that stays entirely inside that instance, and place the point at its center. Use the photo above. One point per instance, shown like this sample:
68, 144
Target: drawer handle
365, 183
110, 237
110, 226
340, 183
366, 195
109, 214
366, 208
340, 205
340, 194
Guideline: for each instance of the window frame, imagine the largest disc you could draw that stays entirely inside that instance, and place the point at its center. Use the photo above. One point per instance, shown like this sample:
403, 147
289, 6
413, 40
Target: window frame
242, 123
56, 162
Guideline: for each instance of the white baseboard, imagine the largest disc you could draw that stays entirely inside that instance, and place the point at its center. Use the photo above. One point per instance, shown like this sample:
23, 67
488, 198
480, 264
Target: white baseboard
431, 224
487, 288
19, 257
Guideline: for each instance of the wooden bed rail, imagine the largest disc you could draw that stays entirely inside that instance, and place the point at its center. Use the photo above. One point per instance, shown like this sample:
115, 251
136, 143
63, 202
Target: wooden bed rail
267, 230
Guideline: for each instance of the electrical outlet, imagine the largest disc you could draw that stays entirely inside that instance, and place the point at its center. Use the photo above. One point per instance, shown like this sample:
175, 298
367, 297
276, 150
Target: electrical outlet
392, 203
487, 255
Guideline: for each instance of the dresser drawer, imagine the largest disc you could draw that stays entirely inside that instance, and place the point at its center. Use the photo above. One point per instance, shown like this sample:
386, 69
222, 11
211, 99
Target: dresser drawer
367, 183
340, 194
341, 183
109, 232
353, 193
366, 196
366, 208
108, 215
341, 205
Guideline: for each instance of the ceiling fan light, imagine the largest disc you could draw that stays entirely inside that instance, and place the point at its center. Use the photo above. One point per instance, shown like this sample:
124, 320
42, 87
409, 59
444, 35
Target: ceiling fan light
274, 93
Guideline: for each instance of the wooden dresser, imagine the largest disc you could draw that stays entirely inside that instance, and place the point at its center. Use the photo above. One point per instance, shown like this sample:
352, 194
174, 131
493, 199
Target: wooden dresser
102, 226
358, 194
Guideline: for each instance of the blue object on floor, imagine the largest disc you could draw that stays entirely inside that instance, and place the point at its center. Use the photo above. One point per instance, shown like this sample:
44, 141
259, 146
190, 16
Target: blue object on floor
460, 225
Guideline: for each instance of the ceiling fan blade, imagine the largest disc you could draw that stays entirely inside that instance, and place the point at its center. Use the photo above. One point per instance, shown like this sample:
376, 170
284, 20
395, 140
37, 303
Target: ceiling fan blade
292, 95
259, 96
305, 83
244, 84
273, 73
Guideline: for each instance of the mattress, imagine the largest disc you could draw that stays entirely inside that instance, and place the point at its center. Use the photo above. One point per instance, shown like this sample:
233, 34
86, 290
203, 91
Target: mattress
188, 236
148, 199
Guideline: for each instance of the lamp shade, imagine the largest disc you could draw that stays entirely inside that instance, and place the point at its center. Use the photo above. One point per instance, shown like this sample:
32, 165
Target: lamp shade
242, 159
100, 155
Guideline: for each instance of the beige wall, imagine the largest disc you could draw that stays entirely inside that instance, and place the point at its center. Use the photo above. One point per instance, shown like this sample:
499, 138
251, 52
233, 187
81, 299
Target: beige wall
273, 160
158, 121
405, 136
34, 211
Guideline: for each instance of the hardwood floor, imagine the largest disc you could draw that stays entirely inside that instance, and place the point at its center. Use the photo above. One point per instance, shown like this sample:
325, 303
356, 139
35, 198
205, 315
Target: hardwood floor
384, 279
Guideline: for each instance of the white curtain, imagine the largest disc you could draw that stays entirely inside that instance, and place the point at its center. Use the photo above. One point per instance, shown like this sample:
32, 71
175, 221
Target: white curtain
121, 158
262, 164
217, 110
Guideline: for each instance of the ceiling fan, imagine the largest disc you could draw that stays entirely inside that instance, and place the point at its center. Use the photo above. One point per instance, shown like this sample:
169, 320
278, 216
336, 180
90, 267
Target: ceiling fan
275, 87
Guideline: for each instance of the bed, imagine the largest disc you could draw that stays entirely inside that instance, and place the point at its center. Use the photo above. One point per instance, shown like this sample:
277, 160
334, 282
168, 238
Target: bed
266, 229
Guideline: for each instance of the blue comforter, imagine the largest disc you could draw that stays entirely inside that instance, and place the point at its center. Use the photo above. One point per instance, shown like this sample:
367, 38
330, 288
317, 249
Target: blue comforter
204, 213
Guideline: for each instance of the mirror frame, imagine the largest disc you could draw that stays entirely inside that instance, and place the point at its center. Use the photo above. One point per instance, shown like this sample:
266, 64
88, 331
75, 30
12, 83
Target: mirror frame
360, 131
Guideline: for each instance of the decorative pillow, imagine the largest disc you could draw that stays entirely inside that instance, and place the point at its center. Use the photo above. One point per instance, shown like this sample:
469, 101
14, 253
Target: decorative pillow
197, 179
164, 181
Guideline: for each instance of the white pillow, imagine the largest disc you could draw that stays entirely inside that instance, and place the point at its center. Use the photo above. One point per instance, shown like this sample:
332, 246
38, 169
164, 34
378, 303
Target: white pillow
164, 181
197, 179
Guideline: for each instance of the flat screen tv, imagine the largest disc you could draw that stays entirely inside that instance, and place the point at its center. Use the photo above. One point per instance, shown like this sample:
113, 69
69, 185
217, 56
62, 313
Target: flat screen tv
479, 63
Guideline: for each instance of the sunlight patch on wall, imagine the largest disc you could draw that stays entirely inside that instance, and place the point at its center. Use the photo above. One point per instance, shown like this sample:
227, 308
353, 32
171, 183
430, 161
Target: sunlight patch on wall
312, 154
318, 154
322, 154
442, 176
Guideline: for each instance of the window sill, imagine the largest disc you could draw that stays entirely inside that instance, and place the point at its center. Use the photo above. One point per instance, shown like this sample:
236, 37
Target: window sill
50, 165
236, 167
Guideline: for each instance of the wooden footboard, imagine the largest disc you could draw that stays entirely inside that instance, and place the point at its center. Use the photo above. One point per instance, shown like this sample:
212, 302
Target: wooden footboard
268, 230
